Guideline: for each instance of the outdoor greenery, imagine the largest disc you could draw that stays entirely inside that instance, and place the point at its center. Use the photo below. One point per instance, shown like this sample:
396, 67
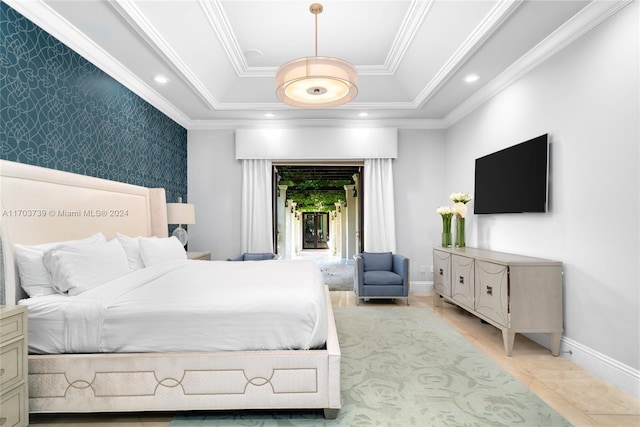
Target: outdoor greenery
312, 193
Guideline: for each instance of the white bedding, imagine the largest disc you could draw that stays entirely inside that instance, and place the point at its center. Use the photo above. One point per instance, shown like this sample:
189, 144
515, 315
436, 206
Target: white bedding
187, 305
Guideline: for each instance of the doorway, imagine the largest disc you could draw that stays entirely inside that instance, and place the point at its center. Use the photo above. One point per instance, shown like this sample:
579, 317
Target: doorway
316, 230
317, 207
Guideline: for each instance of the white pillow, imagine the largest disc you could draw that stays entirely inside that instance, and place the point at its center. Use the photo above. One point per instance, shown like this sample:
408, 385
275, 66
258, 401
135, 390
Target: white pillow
34, 277
131, 247
76, 269
155, 251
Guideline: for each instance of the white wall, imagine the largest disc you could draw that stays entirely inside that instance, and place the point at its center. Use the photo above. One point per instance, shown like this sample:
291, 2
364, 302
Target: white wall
587, 98
215, 184
215, 187
419, 188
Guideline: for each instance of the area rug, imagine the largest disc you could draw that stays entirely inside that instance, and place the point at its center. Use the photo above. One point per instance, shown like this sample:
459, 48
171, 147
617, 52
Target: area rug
404, 366
338, 276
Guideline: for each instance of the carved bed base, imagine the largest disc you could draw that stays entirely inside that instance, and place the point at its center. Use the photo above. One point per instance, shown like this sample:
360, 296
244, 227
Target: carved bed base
293, 379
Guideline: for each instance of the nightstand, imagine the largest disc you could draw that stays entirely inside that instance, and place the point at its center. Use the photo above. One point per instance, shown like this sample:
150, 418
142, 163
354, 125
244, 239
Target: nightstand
14, 399
206, 256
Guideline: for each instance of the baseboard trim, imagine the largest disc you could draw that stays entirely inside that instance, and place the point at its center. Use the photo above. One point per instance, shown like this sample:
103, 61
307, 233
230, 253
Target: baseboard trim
610, 370
421, 287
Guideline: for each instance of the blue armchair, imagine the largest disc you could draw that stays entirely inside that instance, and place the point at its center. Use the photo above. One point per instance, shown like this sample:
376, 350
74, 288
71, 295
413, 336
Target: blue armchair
381, 275
261, 256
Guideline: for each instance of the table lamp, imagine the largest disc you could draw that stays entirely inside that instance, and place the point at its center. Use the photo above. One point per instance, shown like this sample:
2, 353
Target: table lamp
181, 213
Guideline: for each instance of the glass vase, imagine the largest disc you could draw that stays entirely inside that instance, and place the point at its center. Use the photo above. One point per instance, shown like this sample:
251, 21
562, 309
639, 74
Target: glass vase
460, 242
447, 238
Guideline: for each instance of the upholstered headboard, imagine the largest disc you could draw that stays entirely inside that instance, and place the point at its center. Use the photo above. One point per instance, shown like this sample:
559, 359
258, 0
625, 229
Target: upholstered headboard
39, 205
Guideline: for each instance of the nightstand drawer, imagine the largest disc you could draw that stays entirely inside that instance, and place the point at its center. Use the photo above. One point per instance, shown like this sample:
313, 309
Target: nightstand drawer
204, 256
11, 327
11, 404
11, 371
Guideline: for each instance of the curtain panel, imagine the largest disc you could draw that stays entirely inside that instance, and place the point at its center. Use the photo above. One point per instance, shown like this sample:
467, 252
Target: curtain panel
379, 206
256, 206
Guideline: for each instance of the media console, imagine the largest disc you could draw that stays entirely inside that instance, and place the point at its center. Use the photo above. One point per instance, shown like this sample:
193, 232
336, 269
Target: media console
514, 293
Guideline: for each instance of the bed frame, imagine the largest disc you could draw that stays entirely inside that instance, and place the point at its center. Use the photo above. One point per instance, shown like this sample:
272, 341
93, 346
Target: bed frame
43, 205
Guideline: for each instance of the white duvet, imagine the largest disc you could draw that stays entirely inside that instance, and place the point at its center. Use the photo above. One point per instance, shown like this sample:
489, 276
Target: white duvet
187, 306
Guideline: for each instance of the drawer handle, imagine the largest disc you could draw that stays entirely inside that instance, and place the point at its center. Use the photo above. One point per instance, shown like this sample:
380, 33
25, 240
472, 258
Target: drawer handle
461, 280
441, 272
490, 290
2, 371
2, 421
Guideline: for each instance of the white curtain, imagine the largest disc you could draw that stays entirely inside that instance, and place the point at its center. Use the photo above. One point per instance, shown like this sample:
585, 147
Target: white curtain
256, 206
379, 206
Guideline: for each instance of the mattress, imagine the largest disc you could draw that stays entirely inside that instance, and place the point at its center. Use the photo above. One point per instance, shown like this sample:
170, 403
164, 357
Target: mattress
187, 306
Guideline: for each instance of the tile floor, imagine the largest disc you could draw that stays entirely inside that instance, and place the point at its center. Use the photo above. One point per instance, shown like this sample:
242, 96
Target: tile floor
582, 398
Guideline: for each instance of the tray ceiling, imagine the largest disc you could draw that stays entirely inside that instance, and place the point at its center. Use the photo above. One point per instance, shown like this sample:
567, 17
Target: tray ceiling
220, 56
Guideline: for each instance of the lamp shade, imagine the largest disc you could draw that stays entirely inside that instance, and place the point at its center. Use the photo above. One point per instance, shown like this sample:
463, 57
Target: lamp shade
316, 82
181, 213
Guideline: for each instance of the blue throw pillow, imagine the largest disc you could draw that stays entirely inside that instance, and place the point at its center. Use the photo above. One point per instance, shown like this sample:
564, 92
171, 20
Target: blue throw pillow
377, 261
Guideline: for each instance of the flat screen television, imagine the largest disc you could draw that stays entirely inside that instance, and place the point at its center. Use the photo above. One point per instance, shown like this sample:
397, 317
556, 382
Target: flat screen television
514, 179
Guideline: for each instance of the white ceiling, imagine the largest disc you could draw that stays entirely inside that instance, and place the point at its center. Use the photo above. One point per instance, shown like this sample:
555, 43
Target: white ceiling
220, 56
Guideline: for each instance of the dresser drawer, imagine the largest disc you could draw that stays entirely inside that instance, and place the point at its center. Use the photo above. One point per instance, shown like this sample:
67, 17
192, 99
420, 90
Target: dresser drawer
462, 281
12, 408
11, 327
492, 291
442, 273
11, 371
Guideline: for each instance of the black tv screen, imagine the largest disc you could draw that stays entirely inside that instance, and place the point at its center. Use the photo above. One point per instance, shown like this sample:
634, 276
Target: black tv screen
514, 179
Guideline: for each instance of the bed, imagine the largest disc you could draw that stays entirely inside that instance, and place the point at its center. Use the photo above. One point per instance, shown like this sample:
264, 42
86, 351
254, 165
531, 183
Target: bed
42, 205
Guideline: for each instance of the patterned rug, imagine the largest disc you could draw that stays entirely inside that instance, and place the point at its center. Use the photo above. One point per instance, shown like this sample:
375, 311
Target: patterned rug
404, 366
337, 275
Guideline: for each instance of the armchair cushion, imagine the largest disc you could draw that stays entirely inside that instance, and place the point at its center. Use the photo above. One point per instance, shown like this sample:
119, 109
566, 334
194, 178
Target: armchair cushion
257, 256
377, 261
382, 278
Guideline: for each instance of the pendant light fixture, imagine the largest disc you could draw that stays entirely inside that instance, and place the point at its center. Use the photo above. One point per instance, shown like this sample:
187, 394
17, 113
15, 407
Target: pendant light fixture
316, 81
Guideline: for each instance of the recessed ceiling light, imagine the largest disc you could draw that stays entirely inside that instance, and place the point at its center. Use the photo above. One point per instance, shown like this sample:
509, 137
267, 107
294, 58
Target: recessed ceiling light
363, 114
159, 78
470, 78
268, 115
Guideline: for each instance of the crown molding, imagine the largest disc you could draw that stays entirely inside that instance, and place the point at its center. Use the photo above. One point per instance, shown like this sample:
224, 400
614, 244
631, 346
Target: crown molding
220, 25
500, 12
583, 22
38, 12
418, 124
131, 13
588, 18
418, 12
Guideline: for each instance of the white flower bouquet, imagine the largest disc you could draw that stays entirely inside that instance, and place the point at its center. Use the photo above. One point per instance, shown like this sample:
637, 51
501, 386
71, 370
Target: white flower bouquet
461, 197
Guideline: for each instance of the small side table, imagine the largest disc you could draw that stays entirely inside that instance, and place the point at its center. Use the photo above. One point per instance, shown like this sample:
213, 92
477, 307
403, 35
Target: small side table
14, 398
205, 256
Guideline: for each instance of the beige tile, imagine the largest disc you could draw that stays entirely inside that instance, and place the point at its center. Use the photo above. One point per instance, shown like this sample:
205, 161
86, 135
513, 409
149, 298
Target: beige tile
589, 393
563, 406
617, 420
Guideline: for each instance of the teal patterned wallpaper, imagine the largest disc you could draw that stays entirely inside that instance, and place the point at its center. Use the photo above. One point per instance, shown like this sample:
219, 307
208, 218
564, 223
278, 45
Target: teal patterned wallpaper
59, 111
